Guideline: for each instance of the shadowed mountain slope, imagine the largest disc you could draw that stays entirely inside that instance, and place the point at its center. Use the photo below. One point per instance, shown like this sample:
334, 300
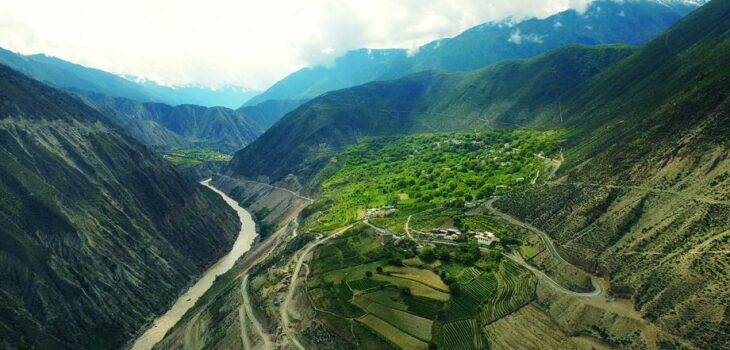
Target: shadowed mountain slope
97, 233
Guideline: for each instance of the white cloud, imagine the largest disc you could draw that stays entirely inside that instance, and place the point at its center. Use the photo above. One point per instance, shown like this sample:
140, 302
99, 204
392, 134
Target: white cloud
245, 42
517, 38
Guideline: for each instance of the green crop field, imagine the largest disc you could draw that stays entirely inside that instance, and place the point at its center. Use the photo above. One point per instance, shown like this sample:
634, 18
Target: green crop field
417, 288
393, 334
515, 288
467, 302
416, 326
463, 335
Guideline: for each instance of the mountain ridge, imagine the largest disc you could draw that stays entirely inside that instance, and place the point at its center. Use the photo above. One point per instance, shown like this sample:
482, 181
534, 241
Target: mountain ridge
603, 22
78, 78
99, 233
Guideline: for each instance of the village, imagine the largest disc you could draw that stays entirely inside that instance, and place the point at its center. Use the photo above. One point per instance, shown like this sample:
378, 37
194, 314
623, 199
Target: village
483, 238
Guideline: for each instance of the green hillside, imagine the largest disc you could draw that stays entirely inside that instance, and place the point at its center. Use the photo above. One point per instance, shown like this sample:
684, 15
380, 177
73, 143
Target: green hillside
643, 194
98, 233
522, 92
602, 22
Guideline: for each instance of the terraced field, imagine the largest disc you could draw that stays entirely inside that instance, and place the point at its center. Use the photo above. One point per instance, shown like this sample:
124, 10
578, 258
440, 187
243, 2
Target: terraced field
417, 289
515, 288
463, 335
364, 284
416, 326
467, 303
511, 333
468, 274
426, 277
392, 334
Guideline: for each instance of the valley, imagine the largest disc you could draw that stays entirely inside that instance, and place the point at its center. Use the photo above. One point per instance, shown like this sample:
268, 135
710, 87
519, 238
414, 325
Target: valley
551, 182
243, 242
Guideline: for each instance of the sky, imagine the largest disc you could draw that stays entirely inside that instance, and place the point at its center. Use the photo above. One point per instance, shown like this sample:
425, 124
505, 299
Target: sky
250, 43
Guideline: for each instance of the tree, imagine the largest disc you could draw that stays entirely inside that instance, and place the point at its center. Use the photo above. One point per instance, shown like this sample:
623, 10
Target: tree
379, 269
443, 254
427, 255
454, 289
369, 274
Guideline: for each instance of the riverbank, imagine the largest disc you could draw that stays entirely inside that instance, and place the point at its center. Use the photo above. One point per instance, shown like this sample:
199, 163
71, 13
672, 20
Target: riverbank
165, 322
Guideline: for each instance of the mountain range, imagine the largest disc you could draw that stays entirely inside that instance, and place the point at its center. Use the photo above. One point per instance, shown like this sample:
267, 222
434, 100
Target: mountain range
603, 22
77, 78
508, 94
646, 157
98, 233
165, 127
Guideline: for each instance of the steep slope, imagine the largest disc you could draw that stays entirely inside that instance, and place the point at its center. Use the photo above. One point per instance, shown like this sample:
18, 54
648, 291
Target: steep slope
512, 93
643, 194
603, 22
164, 126
97, 233
77, 78
269, 112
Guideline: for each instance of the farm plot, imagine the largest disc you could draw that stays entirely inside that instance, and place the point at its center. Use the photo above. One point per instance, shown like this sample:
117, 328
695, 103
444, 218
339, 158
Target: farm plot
388, 297
467, 303
418, 327
426, 277
350, 273
364, 284
418, 289
468, 274
463, 335
515, 288
392, 334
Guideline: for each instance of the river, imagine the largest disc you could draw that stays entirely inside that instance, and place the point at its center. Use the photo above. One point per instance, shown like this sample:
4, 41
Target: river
163, 323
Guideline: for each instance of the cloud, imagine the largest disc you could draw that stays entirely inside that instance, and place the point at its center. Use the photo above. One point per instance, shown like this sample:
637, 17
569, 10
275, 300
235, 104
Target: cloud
517, 38
245, 42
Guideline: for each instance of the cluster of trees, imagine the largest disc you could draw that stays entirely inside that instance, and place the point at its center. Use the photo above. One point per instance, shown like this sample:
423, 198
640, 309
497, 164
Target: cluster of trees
444, 169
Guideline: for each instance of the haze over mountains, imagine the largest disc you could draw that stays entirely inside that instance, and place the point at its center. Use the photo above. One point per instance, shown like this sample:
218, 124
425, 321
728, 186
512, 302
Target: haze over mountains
603, 22
629, 100
75, 77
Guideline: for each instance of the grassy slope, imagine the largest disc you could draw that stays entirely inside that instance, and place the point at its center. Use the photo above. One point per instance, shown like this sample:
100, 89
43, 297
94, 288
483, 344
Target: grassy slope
658, 122
503, 94
98, 234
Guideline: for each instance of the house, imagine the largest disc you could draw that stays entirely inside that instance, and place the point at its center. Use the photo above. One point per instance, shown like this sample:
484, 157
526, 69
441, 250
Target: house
485, 238
453, 231
469, 205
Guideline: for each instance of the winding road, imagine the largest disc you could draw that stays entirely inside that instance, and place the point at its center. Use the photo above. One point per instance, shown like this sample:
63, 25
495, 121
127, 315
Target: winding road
284, 308
550, 247
248, 310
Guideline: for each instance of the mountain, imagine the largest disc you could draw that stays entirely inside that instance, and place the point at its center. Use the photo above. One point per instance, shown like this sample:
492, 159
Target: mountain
269, 112
356, 67
603, 22
642, 195
512, 93
185, 126
77, 78
98, 233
